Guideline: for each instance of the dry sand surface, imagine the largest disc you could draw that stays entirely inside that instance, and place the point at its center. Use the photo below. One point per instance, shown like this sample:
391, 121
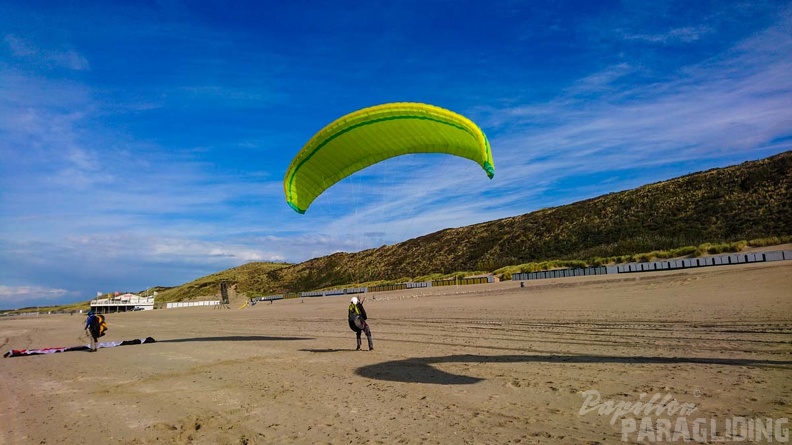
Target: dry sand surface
475, 364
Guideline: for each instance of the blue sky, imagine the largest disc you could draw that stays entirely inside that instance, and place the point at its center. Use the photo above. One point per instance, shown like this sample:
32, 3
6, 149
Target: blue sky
145, 143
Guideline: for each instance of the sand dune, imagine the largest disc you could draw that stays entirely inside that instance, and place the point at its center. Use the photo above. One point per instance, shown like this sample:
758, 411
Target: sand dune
475, 364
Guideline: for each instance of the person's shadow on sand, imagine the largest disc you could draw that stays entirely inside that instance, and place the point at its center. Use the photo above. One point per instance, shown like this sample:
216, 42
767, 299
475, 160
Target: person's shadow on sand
319, 351
420, 370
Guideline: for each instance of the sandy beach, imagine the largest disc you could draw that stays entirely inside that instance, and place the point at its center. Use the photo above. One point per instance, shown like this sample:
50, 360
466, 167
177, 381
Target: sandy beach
479, 364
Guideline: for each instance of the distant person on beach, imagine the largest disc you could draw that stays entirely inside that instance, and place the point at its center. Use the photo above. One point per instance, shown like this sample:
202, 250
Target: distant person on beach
357, 322
95, 327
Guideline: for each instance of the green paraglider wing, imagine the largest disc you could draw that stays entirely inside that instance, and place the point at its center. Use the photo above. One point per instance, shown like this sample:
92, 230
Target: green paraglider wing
374, 134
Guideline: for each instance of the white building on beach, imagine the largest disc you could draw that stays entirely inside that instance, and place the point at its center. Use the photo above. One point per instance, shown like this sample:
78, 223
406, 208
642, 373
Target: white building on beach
123, 303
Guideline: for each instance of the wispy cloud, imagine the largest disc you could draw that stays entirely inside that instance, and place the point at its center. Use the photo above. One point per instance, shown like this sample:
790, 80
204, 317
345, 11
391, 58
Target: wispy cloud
11, 297
45, 58
732, 104
685, 35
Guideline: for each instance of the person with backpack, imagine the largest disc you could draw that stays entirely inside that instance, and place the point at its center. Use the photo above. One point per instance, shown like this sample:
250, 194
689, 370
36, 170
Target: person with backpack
95, 327
357, 322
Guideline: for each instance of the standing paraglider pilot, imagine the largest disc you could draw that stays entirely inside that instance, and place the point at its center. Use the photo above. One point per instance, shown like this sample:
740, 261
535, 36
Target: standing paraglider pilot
95, 327
357, 322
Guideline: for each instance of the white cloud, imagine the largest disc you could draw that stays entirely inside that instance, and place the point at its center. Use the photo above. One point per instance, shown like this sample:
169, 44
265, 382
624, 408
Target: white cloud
739, 102
65, 58
685, 34
11, 296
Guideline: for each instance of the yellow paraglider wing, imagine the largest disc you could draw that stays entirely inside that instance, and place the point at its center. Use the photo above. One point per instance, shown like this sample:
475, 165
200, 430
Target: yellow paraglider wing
374, 134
